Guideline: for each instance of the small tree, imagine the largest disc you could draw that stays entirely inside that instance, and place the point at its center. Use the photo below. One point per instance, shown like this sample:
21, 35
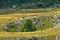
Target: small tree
28, 26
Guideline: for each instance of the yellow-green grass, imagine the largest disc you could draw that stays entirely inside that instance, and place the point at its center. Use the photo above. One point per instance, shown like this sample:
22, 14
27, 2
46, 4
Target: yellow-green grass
47, 32
6, 17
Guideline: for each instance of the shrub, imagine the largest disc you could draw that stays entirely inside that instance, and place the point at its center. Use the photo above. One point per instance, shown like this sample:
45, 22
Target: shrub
28, 26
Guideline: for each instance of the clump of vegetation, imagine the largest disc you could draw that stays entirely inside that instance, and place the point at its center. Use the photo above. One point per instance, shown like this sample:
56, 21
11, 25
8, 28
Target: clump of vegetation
11, 27
28, 26
14, 27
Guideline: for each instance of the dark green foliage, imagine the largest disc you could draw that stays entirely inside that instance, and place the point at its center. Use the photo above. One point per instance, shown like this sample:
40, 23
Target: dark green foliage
31, 3
28, 26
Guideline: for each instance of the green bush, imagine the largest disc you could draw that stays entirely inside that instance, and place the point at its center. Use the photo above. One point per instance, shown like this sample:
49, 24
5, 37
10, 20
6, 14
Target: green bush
28, 26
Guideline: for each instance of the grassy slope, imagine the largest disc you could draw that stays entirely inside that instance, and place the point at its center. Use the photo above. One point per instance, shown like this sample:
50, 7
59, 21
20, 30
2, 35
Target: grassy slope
6, 17
48, 32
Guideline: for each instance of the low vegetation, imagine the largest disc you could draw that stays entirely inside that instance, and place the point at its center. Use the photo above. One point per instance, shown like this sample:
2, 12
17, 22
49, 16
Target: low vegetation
31, 23
28, 26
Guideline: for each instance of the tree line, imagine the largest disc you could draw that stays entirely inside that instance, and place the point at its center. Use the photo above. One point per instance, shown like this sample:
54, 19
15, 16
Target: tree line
29, 3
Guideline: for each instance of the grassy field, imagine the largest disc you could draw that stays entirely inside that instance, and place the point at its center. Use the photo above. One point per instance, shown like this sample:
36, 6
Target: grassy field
4, 18
47, 32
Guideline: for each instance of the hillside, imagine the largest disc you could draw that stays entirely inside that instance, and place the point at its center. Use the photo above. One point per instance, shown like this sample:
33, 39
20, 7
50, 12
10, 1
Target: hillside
6, 18
46, 34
